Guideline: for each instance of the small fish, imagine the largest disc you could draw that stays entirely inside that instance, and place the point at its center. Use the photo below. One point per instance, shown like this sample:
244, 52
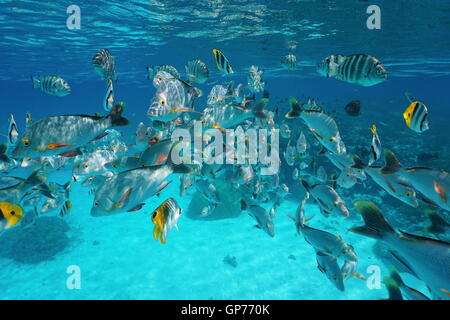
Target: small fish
285, 131
416, 117
360, 69
13, 133
108, 102
28, 119
52, 85
104, 65
353, 108
290, 155
328, 199
328, 265
289, 62
222, 62
301, 143
346, 179
262, 217
10, 215
165, 217
295, 174
375, 148
197, 71
186, 182
254, 79
322, 175
65, 210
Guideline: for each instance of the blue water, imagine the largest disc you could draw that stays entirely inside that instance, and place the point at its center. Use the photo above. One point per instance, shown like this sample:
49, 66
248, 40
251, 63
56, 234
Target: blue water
117, 255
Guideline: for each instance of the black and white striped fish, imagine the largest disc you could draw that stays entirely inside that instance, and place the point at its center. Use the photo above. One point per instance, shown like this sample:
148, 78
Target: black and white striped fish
13, 133
222, 62
52, 85
65, 210
196, 71
360, 69
375, 148
416, 117
104, 64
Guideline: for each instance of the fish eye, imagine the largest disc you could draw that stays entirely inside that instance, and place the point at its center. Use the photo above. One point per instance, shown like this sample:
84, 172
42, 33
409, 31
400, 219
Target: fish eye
154, 214
86, 165
90, 179
96, 203
26, 142
162, 101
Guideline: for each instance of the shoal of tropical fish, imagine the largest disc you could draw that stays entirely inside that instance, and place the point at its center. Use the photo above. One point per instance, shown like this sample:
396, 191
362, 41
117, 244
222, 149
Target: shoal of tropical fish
123, 177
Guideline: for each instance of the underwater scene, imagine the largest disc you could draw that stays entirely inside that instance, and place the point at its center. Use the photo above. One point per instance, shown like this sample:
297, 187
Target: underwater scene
225, 150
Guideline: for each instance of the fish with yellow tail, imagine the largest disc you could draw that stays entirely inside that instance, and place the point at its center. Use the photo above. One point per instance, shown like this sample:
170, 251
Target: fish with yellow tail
375, 148
416, 115
222, 62
165, 217
10, 215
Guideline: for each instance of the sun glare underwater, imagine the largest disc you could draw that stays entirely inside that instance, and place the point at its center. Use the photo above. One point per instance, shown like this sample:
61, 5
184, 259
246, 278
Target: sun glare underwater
293, 149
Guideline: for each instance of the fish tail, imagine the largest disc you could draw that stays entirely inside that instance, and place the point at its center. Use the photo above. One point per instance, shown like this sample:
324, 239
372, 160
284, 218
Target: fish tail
392, 164
35, 179
396, 277
36, 82
243, 205
357, 162
376, 226
116, 115
3, 156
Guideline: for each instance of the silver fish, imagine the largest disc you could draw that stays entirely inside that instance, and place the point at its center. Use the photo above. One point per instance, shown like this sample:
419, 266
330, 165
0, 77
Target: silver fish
197, 71
427, 259
328, 265
289, 62
52, 85
263, 218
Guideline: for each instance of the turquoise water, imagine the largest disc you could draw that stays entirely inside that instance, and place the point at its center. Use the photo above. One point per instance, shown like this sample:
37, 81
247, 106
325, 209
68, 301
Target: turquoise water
117, 255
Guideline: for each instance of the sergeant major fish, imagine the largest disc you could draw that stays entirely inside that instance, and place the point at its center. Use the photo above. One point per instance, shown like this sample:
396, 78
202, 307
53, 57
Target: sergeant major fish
52, 85
360, 69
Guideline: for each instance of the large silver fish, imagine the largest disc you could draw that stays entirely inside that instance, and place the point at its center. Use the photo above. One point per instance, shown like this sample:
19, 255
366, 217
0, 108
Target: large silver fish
52, 85
129, 190
263, 218
360, 69
322, 125
171, 99
61, 134
427, 259
104, 65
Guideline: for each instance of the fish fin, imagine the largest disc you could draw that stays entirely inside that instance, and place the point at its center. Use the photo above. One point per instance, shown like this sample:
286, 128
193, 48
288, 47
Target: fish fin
404, 264
36, 82
430, 202
35, 179
137, 208
52, 146
357, 162
156, 232
305, 184
396, 277
376, 226
244, 205
71, 154
116, 115
391, 162
421, 238
393, 289
447, 293
123, 199
100, 136
258, 109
